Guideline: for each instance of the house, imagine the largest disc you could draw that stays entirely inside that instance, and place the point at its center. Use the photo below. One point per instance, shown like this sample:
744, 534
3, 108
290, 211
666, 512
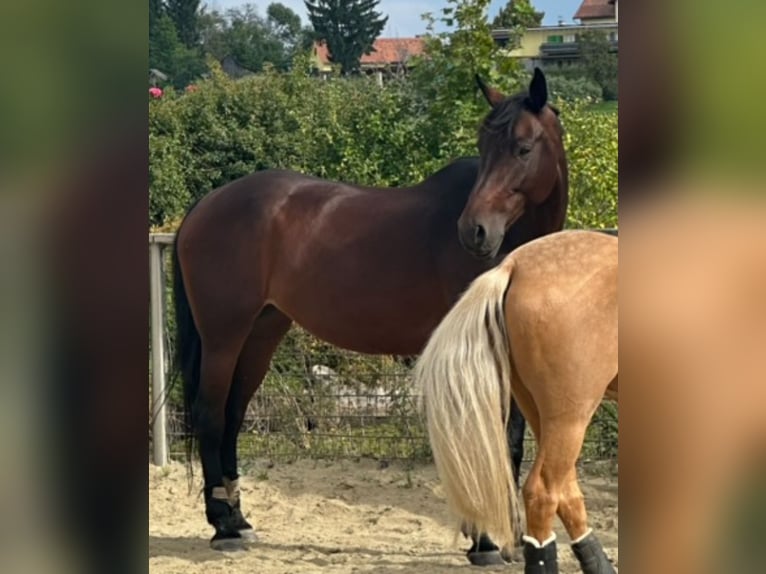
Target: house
597, 12
390, 56
233, 68
556, 46
156, 77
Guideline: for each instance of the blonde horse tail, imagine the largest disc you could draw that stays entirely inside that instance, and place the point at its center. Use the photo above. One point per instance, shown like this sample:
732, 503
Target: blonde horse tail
464, 379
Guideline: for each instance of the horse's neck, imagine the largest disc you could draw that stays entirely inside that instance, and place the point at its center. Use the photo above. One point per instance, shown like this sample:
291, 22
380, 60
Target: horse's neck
452, 184
553, 210
539, 220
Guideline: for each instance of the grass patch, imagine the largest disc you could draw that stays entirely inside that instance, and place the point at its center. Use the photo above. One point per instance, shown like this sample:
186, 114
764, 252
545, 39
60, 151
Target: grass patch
603, 107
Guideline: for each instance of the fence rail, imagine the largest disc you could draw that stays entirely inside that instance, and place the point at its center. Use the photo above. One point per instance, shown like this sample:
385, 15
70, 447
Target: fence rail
316, 400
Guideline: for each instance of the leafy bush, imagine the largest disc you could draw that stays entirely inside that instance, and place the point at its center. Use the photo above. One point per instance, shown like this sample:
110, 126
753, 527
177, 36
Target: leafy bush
573, 89
347, 129
338, 129
599, 62
591, 143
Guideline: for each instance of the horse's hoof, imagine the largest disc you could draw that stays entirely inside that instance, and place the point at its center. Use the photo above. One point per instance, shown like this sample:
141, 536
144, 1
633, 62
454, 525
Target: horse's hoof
248, 535
486, 558
228, 543
512, 554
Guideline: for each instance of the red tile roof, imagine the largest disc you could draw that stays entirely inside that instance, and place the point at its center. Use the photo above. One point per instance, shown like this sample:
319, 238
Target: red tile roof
385, 51
595, 9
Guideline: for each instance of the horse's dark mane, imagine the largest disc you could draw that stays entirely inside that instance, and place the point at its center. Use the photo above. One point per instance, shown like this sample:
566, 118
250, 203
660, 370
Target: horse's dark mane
502, 119
456, 178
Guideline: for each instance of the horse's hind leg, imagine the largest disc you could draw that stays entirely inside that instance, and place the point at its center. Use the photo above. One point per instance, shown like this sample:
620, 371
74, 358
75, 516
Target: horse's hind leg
560, 442
268, 330
585, 545
523, 407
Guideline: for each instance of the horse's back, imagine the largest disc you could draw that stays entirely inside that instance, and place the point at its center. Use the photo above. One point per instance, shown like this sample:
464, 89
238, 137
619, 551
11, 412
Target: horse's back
566, 259
256, 202
278, 196
262, 186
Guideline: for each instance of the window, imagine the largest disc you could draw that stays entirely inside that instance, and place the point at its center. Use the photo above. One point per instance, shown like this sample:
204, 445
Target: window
555, 39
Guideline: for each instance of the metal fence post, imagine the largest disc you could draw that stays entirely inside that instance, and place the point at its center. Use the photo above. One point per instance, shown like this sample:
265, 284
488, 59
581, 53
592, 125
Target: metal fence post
159, 427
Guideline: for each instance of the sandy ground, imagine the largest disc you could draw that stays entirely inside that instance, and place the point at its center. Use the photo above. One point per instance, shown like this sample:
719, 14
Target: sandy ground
344, 517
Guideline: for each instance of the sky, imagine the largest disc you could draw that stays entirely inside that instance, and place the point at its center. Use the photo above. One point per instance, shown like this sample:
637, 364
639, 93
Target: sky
404, 15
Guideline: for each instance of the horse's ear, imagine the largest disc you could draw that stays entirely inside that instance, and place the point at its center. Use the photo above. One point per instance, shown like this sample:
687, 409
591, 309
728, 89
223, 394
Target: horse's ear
493, 96
538, 91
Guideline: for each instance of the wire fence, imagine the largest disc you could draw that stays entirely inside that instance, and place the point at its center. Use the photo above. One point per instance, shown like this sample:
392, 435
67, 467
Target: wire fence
319, 401
363, 407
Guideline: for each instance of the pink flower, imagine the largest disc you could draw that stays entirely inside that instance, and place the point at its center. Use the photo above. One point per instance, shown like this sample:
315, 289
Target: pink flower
155, 92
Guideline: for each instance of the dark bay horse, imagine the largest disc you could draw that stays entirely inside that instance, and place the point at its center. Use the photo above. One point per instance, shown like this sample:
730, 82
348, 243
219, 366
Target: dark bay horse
367, 269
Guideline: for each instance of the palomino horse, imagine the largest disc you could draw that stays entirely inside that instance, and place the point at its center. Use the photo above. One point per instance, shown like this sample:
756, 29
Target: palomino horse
541, 327
366, 269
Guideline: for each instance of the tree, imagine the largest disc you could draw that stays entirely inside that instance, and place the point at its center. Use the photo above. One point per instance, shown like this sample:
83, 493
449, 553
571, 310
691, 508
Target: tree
518, 13
251, 39
517, 16
286, 26
599, 62
163, 44
166, 53
349, 28
444, 77
285, 23
156, 10
185, 16
212, 32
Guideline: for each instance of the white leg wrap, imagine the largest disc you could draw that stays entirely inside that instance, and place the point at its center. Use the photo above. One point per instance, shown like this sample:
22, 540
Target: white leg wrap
232, 489
583, 537
220, 493
533, 541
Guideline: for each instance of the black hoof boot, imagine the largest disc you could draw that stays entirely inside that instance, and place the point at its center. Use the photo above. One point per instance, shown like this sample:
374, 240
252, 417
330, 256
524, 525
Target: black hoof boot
227, 540
244, 528
484, 552
220, 516
590, 554
238, 520
540, 558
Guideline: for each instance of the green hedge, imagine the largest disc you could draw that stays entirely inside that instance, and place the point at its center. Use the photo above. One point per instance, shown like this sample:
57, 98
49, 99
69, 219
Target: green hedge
346, 129
574, 89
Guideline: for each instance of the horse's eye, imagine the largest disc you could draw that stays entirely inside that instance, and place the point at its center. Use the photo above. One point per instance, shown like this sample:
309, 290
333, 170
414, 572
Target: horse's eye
524, 150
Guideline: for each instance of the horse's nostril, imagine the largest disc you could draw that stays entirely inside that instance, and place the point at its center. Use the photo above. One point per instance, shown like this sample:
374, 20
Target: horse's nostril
480, 234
